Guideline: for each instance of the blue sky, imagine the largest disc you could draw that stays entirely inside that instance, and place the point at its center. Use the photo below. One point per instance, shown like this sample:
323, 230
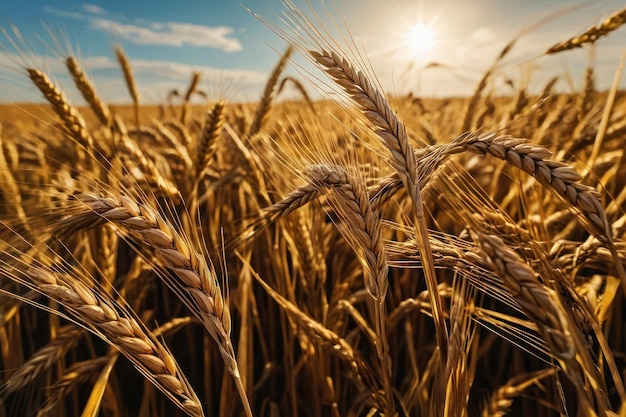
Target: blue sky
167, 40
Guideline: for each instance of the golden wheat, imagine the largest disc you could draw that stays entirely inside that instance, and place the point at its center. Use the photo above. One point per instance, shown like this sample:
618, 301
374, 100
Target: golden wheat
374, 259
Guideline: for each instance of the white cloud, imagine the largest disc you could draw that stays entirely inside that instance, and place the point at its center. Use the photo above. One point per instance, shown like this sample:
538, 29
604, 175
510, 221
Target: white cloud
155, 33
93, 9
171, 34
64, 13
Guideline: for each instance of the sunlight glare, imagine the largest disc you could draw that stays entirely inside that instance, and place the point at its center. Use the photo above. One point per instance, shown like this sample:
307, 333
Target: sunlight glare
421, 39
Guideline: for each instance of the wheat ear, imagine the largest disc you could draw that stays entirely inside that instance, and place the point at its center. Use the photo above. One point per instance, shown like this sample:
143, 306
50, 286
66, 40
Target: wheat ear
361, 228
105, 318
299, 87
181, 130
78, 373
129, 77
192, 278
533, 159
592, 34
265, 103
73, 121
543, 306
88, 90
556, 176
391, 130
364, 233
208, 139
540, 303
41, 361
12, 192
321, 178
482, 84
501, 400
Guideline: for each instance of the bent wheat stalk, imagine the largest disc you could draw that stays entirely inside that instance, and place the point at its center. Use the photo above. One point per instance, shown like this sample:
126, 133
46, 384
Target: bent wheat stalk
501, 400
320, 177
361, 228
392, 132
265, 103
371, 102
592, 34
104, 317
542, 305
557, 176
533, 159
193, 86
190, 276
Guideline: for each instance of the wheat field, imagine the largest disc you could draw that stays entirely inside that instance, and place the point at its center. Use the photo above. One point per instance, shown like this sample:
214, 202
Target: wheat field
354, 256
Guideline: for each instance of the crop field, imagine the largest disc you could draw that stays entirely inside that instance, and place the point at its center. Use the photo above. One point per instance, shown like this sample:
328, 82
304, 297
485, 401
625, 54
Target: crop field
358, 255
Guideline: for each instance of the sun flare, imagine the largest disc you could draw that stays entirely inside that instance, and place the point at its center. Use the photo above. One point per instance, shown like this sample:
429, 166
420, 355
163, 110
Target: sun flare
421, 39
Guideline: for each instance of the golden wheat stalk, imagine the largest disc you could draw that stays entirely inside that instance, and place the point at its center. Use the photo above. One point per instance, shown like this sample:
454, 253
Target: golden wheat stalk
105, 318
392, 131
130, 79
190, 276
88, 90
267, 98
72, 120
41, 361
193, 86
211, 131
591, 35
324, 336
360, 226
325, 53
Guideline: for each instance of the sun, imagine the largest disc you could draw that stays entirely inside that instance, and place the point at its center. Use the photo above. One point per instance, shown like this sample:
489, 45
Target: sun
420, 40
